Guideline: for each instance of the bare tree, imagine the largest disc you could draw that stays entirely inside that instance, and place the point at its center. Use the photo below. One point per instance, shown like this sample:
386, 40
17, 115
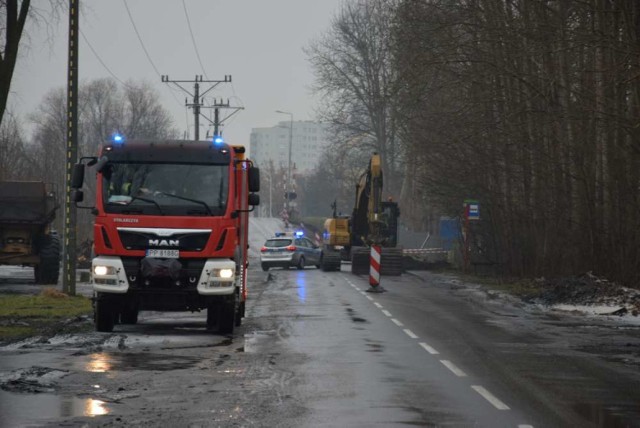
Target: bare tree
105, 108
356, 78
14, 15
14, 161
531, 107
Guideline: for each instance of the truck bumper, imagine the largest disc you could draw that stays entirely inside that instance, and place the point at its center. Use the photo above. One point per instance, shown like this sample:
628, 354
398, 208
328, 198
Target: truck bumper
217, 278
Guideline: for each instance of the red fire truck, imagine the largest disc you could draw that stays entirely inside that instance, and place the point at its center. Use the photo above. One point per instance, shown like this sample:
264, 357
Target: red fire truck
170, 229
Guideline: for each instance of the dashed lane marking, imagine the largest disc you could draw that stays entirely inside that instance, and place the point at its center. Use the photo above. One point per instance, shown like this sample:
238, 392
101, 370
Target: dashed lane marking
410, 333
454, 369
429, 349
396, 322
490, 397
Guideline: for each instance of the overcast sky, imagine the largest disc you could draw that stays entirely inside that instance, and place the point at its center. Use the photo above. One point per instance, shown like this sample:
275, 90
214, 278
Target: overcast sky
258, 42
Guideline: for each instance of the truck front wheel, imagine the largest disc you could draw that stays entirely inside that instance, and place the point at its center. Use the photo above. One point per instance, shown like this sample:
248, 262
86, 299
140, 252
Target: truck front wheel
129, 314
227, 315
105, 315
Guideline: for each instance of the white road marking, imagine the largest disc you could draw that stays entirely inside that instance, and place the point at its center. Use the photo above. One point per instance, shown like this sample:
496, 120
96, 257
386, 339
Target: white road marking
490, 397
525, 426
378, 305
429, 349
387, 313
454, 369
396, 322
369, 297
410, 333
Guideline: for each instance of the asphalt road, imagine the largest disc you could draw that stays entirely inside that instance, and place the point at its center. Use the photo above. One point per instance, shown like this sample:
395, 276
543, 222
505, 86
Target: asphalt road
317, 350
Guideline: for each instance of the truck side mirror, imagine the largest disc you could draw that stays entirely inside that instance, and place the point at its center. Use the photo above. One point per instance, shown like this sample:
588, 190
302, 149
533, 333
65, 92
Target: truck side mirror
254, 199
101, 163
77, 177
77, 195
254, 179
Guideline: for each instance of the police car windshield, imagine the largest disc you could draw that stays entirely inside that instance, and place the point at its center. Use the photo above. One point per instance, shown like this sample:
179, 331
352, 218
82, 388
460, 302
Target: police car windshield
278, 243
175, 189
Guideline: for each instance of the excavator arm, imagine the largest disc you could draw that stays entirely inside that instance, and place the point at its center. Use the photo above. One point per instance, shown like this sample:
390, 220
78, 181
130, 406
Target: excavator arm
367, 225
372, 222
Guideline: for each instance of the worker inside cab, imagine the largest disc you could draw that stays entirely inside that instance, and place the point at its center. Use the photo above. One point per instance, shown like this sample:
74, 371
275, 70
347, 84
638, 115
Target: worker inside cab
175, 188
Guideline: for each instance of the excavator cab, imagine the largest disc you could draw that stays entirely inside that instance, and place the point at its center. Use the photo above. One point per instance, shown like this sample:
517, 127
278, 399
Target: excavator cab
389, 219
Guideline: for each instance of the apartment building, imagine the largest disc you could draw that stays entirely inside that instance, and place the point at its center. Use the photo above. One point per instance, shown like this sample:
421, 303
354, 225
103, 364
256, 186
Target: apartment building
309, 140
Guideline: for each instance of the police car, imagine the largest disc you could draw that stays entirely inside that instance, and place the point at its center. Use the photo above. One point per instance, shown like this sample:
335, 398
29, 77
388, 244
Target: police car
289, 249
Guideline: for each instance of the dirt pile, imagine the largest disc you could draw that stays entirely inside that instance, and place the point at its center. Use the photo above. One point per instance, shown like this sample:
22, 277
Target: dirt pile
587, 290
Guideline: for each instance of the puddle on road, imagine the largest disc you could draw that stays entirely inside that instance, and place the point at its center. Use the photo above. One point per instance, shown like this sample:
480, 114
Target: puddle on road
257, 340
354, 318
375, 347
17, 409
617, 416
106, 362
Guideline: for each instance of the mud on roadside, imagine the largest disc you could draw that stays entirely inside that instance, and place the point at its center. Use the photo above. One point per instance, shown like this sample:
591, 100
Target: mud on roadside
586, 289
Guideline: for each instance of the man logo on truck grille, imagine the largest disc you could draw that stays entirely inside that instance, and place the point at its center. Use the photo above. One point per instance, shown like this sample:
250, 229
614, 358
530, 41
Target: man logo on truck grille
164, 242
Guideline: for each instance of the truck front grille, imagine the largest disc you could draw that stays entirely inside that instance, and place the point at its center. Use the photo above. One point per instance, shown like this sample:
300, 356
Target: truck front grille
142, 241
187, 279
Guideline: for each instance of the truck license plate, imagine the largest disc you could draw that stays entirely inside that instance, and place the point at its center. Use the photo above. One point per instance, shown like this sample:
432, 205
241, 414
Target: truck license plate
164, 254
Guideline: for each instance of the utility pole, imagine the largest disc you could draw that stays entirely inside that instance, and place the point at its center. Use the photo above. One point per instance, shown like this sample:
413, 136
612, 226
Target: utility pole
69, 239
217, 122
197, 96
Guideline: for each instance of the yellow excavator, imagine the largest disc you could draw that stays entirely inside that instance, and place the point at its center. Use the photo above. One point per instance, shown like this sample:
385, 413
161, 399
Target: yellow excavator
373, 222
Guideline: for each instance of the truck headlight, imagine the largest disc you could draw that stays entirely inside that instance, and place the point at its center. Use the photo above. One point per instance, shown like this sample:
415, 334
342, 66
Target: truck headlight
221, 277
100, 270
223, 273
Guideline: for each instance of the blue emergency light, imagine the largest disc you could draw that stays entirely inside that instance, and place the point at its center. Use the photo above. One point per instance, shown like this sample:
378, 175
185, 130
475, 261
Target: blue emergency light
218, 139
299, 233
117, 138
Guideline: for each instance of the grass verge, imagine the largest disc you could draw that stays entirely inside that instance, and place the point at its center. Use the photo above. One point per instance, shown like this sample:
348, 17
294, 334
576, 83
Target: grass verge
48, 313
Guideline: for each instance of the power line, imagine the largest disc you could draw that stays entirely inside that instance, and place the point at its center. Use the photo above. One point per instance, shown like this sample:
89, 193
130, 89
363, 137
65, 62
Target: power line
193, 40
135, 28
100, 59
140, 38
104, 65
126, 85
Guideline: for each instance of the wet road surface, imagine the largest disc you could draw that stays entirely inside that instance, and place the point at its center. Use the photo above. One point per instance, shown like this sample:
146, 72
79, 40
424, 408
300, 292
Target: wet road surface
317, 350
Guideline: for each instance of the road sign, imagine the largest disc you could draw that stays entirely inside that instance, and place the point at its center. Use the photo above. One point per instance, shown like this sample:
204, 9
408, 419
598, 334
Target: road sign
472, 209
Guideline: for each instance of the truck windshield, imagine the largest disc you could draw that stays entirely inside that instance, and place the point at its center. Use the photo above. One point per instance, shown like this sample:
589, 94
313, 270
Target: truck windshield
165, 189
